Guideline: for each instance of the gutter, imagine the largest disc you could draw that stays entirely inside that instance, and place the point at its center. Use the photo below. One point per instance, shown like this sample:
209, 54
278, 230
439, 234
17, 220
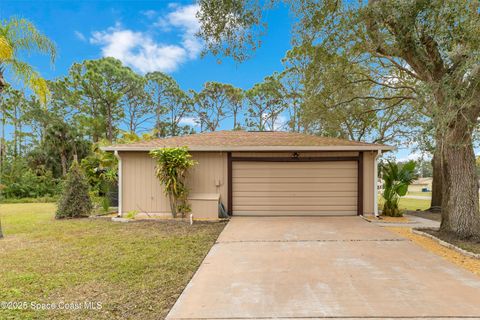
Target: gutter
120, 196
258, 148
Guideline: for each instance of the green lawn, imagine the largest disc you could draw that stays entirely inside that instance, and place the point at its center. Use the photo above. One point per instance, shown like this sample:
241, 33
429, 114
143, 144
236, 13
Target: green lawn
414, 204
135, 270
409, 204
416, 193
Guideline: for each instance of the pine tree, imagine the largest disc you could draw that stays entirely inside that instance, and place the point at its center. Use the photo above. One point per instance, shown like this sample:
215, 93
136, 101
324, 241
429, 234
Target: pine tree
75, 200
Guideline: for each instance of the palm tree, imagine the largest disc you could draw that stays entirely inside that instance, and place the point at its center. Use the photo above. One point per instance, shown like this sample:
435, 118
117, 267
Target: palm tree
20, 35
16, 36
397, 179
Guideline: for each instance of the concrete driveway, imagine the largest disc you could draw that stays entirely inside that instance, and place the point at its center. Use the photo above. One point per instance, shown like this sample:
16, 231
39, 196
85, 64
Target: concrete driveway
323, 267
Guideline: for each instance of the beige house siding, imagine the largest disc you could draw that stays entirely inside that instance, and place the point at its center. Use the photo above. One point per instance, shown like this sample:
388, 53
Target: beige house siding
141, 190
143, 193
210, 174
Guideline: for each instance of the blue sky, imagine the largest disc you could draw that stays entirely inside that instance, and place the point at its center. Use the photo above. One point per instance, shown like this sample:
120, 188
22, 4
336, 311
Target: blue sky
147, 36
162, 36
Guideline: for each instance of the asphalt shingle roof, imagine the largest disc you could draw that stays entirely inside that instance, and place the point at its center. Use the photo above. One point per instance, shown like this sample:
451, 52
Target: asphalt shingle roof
249, 140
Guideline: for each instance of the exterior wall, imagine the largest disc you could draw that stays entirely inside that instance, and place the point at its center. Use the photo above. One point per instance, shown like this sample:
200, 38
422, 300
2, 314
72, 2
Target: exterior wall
369, 182
142, 192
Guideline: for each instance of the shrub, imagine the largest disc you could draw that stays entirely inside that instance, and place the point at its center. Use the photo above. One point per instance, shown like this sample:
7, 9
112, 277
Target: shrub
396, 185
21, 181
131, 214
171, 170
105, 204
75, 199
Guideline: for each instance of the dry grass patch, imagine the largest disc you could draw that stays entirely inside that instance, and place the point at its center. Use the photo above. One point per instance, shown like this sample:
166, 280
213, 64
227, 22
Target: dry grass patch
451, 255
135, 270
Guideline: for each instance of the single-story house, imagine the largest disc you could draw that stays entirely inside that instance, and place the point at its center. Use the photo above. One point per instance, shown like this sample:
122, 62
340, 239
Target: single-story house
256, 173
420, 184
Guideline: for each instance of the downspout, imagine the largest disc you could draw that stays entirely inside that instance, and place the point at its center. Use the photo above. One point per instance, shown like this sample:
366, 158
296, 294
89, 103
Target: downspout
120, 197
375, 184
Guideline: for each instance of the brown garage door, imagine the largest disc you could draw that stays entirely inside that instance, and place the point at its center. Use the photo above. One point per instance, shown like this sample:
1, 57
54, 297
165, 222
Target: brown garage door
294, 188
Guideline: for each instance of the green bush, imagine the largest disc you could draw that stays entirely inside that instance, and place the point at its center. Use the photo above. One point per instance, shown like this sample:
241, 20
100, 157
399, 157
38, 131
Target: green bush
131, 214
20, 181
75, 200
105, 204
171, 170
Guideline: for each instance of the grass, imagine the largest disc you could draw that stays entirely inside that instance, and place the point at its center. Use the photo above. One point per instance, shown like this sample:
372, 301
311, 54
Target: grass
30, 200
418, 193
409, 204
134, 270
414, 204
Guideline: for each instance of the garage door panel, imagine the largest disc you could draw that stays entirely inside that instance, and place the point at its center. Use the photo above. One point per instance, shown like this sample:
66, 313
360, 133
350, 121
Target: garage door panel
247, 165
297, 201
298, 187
307, 194
299, 180
296, 208
297, 173
326, 212
294, 188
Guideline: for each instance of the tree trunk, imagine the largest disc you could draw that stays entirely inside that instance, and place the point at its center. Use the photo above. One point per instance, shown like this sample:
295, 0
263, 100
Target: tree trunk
1, 231
460, 212
2, 143
3, 83
63, 160
20, 139
173, 205
109, 125
437, 182
234, 120
15, 132
158, 119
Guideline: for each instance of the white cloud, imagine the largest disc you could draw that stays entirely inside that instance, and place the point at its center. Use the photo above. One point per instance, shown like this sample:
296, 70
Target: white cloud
80, 36
189, 121
149, 13
279, 123
141, 51
184, 18
415, 156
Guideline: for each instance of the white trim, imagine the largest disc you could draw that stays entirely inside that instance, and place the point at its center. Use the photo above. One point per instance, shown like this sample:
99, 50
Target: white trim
375, 183
258, 148
120, 196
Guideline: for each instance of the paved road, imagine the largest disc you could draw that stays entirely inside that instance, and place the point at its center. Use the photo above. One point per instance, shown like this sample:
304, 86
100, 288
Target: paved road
324, 267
